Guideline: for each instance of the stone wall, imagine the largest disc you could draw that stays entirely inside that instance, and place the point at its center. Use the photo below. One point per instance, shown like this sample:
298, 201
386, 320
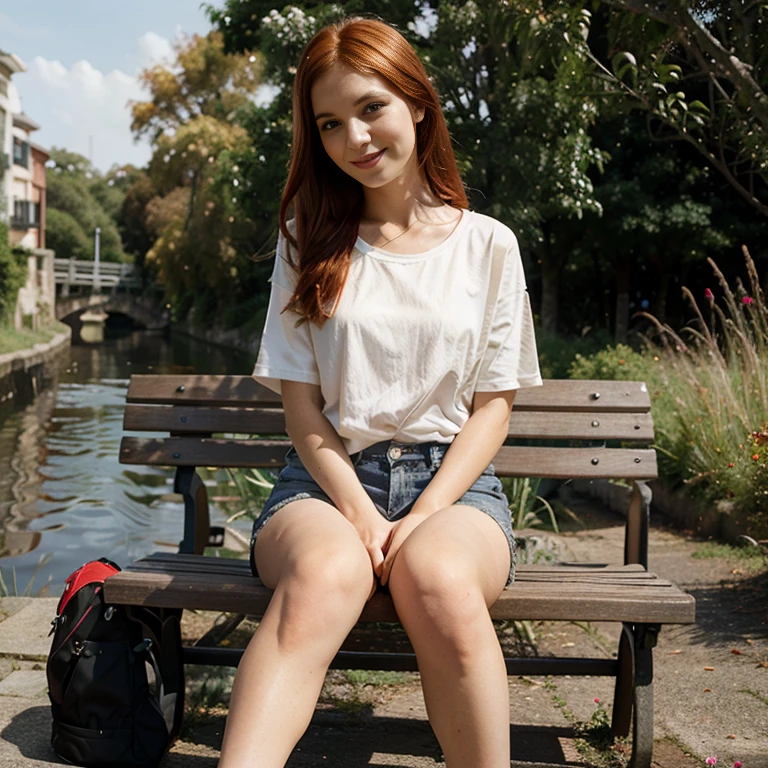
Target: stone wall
36, 303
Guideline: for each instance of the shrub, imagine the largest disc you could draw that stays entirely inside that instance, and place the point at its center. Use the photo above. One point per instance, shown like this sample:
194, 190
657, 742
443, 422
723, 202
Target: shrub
719, 381
13, 274
557, 353
709, 393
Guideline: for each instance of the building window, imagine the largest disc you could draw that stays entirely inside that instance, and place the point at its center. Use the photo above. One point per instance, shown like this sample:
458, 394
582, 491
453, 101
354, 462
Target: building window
20, 152
26, 215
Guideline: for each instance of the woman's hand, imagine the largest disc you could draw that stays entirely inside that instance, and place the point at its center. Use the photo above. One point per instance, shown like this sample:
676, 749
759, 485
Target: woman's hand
375, 532
401, 530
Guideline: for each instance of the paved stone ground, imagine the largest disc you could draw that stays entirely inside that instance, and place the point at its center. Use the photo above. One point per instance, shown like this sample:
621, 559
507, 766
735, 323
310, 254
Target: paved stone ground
711, 680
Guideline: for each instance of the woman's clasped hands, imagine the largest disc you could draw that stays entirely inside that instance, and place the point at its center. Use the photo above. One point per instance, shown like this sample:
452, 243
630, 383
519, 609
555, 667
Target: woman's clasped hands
382, 538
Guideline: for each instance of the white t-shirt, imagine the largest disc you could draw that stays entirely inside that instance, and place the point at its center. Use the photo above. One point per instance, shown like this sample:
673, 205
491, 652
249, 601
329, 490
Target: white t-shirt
400, 359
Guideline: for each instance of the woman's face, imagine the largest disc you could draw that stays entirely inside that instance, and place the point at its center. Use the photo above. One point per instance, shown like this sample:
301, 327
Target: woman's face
366, 127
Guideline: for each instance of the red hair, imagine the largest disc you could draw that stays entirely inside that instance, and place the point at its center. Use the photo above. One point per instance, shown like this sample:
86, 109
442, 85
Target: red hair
328, 203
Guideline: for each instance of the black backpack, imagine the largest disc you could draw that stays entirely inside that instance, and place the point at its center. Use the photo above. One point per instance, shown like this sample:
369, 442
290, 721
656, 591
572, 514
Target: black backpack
106, 714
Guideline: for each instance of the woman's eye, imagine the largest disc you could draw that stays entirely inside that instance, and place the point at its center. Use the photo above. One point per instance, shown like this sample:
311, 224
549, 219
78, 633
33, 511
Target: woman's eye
328, 125
373, 107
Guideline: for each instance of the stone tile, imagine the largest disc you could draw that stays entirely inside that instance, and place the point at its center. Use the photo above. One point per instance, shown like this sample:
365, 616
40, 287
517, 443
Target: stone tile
27, 683
25, 634
11, 605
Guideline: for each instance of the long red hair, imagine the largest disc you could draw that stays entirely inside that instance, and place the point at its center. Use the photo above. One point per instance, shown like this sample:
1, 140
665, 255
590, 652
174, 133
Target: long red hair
327, 203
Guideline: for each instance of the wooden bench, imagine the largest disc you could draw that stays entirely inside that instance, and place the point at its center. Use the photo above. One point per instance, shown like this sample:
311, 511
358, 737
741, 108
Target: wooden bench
560, 430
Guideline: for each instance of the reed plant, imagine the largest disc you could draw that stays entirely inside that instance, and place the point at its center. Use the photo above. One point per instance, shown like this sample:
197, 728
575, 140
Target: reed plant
709, 393
717, 374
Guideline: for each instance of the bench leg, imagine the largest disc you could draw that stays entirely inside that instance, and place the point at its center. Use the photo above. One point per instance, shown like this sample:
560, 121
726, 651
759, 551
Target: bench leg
642, 721
633, 697
623, 696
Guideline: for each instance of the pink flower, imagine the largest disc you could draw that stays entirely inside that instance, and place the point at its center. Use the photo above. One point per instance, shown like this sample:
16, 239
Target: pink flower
597, 701
747, 300
737, 764
711, 761
710, 296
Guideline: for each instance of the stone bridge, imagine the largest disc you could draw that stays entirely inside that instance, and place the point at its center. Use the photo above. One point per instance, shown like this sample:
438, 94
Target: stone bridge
89, 286
144, 311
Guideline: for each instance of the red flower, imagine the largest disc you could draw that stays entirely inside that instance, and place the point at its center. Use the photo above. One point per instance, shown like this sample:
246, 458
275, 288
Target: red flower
708, 294
730, 465
597, 701
755, 457
747, 300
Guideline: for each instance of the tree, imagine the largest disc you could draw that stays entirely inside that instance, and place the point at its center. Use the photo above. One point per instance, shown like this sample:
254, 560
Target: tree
192, 222
700, 72
78, 201
520, 127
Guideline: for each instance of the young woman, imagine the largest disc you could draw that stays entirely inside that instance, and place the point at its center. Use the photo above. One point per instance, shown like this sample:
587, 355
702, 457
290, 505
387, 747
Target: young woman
397, 333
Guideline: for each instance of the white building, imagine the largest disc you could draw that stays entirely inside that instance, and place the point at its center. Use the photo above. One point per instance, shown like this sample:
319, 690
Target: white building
22, 163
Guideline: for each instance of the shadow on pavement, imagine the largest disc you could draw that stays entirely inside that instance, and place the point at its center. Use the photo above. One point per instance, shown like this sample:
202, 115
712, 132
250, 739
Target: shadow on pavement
348, 742
30, 731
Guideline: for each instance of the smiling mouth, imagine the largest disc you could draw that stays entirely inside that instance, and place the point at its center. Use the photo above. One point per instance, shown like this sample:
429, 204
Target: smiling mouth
368, 161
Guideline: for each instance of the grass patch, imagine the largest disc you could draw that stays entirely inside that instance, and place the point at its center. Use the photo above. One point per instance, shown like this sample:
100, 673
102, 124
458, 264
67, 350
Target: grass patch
12, 340
377, 677
749, 558
594, 738
207, 696
355, 692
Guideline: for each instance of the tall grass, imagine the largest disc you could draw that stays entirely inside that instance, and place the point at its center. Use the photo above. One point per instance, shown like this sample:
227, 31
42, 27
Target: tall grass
709, 389
718, 377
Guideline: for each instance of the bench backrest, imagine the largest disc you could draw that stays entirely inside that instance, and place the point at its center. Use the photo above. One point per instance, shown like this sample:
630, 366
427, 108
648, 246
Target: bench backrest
558, 430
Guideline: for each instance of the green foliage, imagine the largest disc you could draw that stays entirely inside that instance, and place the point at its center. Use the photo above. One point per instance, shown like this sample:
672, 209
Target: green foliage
13, 274
752, 559
79, 199
526, 506
618, 362
702, 78
709, 395
191, 219
557, 351
66, 237
12, 340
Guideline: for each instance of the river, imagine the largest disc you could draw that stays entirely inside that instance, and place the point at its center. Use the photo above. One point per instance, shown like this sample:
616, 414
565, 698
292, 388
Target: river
64, 498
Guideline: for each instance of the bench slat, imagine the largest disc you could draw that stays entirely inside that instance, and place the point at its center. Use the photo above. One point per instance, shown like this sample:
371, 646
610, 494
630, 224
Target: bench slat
510, 461
655, 602
215, 564
524, 573
635, 427
555, 395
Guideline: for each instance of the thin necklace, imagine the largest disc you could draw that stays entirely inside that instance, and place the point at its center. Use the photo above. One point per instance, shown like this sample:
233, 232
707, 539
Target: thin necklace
400, 234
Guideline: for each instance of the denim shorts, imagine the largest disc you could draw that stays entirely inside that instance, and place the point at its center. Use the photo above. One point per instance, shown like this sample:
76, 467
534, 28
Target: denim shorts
393, 474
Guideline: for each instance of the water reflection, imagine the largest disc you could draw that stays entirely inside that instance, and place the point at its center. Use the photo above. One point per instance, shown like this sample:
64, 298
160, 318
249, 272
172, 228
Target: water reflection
63, 493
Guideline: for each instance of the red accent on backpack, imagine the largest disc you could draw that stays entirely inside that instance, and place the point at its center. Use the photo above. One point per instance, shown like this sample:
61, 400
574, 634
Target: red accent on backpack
95, 571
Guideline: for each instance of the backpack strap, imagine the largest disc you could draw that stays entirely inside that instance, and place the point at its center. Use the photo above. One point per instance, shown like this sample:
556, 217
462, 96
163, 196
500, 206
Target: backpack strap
161, 627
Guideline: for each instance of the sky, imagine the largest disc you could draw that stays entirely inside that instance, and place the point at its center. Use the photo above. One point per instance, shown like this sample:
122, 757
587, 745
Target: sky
82, 58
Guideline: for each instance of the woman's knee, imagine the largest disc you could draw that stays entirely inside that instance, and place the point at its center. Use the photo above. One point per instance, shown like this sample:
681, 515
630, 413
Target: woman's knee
436, 584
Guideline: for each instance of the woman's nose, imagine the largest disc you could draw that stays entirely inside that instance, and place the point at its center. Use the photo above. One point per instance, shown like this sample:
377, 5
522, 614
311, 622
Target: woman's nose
357, 133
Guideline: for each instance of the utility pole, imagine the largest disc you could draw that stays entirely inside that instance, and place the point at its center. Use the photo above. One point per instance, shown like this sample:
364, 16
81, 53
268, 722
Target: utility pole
96, 259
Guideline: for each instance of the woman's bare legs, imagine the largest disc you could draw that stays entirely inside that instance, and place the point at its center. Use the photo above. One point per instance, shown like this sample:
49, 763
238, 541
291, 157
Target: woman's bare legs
445, 576
322, 576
